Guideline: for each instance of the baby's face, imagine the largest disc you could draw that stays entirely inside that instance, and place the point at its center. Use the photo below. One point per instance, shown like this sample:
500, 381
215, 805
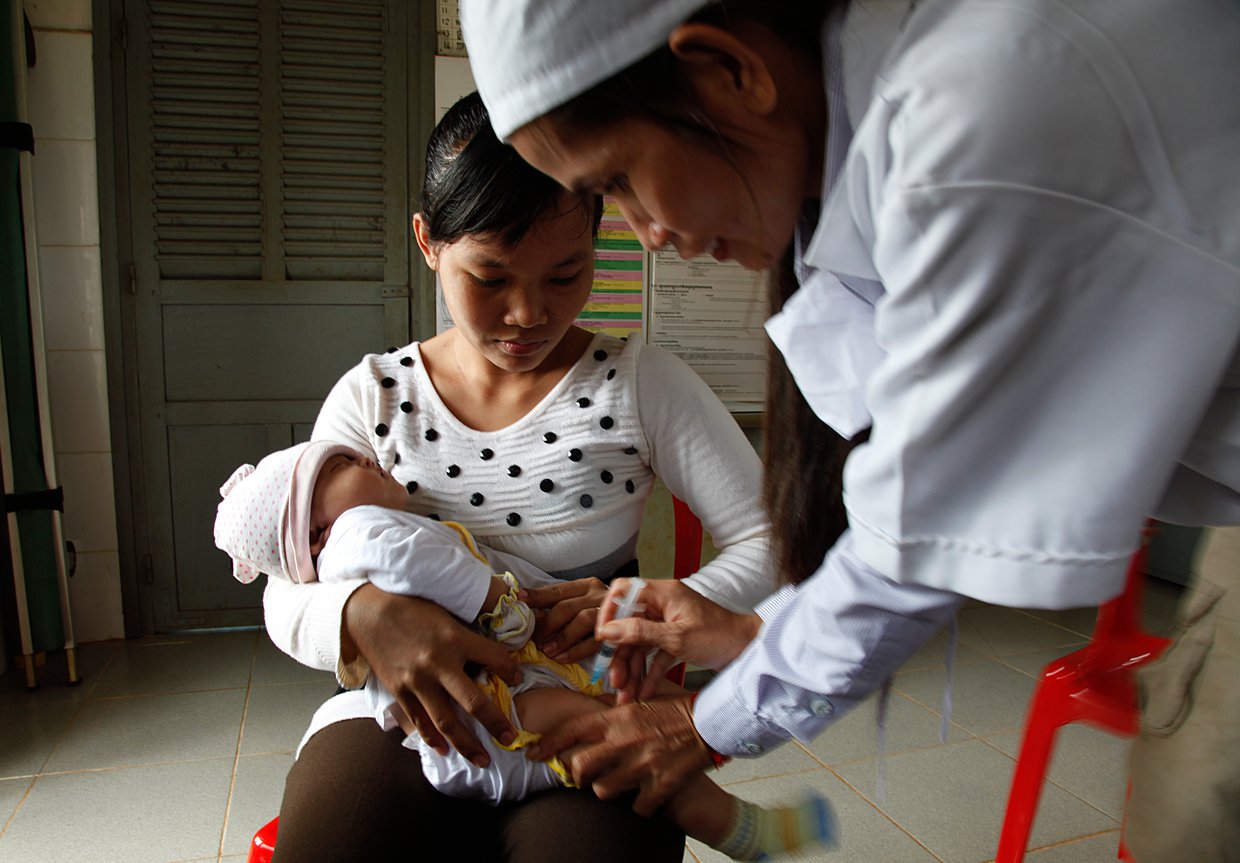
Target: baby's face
346, 481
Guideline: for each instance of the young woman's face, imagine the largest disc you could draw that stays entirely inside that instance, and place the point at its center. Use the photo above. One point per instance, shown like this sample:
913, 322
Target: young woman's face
513, 305
346, 481
740, 205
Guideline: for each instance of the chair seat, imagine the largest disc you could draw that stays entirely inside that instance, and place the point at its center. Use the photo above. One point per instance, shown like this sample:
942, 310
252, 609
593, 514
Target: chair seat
263, 845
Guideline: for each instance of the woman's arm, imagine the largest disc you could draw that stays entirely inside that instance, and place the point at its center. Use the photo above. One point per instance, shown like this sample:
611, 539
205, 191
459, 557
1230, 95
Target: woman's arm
822, 649
304, 620
704, 459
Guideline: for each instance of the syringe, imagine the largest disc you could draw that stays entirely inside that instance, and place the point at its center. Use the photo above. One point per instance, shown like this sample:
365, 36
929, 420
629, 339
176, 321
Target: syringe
624, 608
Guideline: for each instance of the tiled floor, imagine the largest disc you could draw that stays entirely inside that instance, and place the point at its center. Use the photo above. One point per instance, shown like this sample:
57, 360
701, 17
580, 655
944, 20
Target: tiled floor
175, 749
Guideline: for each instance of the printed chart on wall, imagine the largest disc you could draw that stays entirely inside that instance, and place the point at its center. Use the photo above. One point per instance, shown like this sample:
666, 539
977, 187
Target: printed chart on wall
711, 315
615, 304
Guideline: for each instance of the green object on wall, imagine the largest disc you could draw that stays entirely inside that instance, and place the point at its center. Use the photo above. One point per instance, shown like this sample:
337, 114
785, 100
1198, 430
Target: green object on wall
35, 528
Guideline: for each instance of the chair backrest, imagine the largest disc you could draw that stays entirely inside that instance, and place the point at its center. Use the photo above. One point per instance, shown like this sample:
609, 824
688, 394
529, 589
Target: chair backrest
1121, 616
686, 558
1119, 641
688, 552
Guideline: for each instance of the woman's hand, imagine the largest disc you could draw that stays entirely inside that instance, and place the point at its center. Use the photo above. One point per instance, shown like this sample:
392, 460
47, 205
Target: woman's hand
566, 631
652, 746
681, 623
419, 652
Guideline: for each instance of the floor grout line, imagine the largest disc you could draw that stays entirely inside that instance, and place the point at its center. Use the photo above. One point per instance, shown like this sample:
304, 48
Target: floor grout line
232, 782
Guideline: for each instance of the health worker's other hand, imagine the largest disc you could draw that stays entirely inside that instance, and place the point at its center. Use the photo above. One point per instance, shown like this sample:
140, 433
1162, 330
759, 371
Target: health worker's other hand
680, 623
419, 652
565, 631
652, 746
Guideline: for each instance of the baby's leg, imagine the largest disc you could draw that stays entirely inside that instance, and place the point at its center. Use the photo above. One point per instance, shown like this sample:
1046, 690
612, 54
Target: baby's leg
701, 808
744, 830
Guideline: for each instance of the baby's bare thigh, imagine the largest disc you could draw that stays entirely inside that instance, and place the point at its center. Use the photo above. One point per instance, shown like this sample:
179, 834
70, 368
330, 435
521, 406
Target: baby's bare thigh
544, 709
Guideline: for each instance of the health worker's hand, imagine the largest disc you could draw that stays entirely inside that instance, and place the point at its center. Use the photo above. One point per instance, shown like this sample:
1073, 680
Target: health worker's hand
419, 652
680, 623
565, 629
652, 746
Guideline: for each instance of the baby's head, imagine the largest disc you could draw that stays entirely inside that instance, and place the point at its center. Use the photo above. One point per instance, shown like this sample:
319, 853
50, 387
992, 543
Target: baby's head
276, 517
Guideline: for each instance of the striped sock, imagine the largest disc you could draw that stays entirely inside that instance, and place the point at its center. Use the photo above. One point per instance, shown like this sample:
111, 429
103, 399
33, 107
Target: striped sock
763, 834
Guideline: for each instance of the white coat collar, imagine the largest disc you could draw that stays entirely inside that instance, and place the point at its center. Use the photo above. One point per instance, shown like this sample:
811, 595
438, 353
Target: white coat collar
825, 330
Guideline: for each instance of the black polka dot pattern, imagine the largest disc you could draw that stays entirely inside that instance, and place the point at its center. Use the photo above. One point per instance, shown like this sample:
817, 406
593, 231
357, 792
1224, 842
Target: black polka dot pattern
434, 516
580, 422
392, 350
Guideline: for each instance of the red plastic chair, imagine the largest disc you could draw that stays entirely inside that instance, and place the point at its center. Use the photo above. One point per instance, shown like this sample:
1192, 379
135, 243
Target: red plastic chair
686, 559
1095, 685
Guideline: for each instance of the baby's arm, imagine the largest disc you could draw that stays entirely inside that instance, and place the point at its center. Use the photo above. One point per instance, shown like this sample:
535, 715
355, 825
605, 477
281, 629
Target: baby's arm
408, 555
412, 555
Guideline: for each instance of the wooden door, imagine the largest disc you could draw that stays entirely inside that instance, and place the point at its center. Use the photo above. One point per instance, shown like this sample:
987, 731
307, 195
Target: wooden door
268, 191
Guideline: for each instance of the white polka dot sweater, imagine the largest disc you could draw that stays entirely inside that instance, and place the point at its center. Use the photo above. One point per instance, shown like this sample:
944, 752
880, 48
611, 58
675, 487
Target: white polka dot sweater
563, 487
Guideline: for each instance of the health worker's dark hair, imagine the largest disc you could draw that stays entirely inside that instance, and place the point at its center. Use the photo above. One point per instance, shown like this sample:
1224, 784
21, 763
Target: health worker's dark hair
803, 476
476, 185
653, 87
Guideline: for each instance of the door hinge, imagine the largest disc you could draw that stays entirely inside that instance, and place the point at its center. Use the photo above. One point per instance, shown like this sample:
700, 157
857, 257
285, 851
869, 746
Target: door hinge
133, 279
150, 570
124, 28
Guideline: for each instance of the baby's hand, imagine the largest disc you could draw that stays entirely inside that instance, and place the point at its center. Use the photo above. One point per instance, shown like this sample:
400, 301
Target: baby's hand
565, 629
511, 621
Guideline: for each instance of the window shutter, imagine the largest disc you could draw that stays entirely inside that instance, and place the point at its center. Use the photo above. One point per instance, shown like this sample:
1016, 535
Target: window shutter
278, 143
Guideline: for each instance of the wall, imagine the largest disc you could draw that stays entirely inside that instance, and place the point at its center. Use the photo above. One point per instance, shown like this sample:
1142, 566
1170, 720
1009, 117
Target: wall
62, 111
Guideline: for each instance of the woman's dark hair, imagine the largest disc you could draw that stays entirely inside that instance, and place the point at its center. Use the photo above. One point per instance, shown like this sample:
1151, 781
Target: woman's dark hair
476, 184
803, 476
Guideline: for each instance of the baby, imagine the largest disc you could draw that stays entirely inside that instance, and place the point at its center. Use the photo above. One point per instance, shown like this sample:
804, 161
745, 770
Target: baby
323, 511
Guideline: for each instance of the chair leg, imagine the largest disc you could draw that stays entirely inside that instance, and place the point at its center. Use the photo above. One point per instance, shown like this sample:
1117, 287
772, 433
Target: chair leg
1045, 718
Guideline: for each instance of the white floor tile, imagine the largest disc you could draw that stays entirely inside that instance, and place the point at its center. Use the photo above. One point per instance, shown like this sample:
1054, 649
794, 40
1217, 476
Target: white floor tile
140, 815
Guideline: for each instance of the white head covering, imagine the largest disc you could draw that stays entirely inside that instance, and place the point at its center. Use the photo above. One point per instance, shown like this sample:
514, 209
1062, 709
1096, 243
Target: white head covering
529, 56
263, 521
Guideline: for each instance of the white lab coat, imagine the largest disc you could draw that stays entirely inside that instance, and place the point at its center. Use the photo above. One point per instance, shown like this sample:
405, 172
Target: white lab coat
1047, 197
1026, 274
